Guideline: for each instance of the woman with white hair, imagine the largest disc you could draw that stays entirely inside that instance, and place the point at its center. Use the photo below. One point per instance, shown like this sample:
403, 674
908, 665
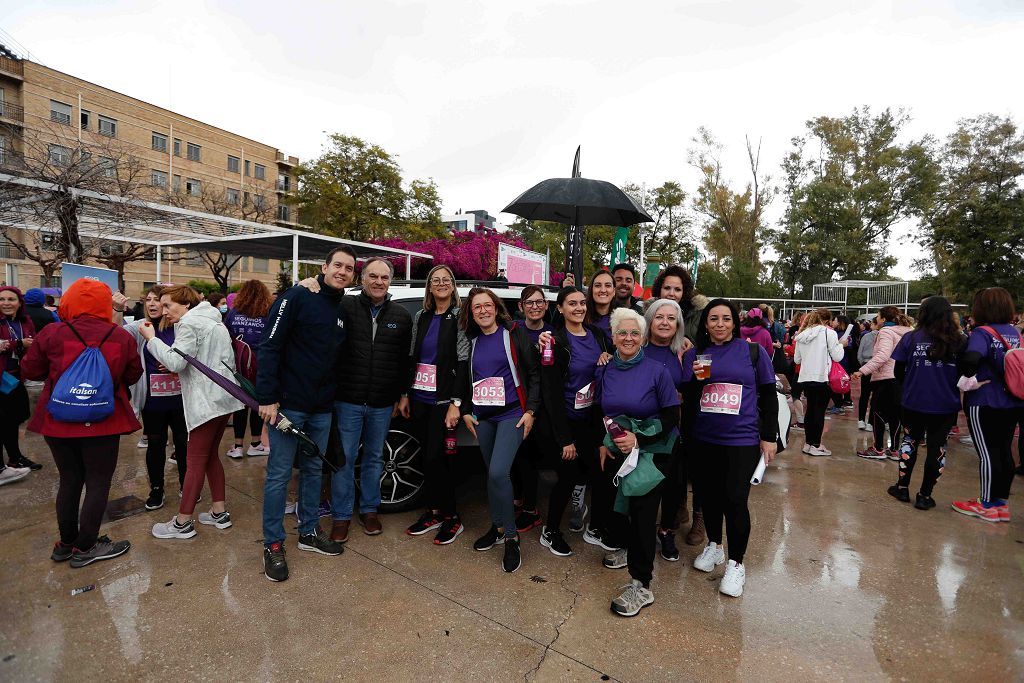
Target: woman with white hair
665, 337
638, 394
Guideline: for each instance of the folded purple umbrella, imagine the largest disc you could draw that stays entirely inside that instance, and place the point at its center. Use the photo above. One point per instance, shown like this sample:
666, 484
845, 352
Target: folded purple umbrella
306, 445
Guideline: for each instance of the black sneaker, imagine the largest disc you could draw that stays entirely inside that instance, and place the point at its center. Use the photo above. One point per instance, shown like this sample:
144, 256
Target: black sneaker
319, 542
22, 461
275, 567
492, 538
450, 529
669, 551
526, 520
155, 500
513, 559
924, 502
103, 549
428, 521
63, 551
900, 494
553, 541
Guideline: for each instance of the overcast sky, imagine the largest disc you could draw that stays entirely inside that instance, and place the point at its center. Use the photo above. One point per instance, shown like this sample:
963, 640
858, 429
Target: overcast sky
489, 98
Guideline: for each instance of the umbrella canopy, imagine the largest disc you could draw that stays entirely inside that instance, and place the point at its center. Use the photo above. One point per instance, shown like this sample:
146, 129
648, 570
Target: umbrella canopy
578, 201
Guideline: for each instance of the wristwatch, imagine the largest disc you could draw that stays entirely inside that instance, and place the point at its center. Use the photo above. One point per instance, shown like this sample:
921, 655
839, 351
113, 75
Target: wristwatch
457, 402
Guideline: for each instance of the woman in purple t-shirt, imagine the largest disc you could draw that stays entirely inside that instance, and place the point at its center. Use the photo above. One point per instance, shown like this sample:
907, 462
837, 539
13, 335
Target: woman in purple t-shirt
600, 302
734, 413
992, 411
926, 364
501, 392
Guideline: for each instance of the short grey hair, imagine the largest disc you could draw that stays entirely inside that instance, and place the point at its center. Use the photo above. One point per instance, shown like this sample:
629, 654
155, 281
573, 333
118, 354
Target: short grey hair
377, 259
621, 315
651, 309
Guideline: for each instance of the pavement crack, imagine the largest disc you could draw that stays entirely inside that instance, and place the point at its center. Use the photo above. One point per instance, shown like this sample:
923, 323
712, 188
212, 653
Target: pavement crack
558, 626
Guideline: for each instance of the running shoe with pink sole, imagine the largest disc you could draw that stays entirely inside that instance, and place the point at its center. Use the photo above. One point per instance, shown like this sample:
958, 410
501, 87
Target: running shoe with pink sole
975, 508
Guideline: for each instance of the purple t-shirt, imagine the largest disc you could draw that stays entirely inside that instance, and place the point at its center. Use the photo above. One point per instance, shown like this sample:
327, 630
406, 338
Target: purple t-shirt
604, 323
490, 360
993, 394
428, 356
639, 392
583, 354
930, 385
534, 335
733, 380
152, 368
666, 356
250, 329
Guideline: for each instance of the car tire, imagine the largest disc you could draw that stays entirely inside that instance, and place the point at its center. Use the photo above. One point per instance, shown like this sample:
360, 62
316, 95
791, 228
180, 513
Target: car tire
402, 478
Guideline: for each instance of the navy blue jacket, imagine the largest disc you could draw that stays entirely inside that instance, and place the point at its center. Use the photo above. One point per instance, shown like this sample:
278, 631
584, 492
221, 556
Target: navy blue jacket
300, 349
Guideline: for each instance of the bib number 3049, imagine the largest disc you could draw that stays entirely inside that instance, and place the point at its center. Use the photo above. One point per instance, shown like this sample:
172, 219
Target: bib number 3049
722, 397
489, 392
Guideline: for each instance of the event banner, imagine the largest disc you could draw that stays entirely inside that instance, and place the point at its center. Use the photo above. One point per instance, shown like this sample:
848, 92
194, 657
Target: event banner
71, 272
522, 266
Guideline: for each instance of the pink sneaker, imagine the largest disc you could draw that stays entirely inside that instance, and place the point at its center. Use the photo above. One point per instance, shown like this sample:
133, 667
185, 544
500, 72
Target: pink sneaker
974, 508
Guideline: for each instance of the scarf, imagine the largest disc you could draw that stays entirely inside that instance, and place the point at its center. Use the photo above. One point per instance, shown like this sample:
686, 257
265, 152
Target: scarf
627, 364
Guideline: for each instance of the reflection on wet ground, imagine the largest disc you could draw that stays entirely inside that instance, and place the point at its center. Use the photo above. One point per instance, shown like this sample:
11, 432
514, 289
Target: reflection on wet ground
843, 581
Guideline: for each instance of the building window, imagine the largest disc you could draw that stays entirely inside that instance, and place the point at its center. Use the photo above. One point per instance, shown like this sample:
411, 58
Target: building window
261, 172
195, 152
231, 195
233, 164
193, 187
84, 119
107, 126
176, 183
284, 183
260, 265
158, 178
284, 212
60, 155
60, 112
160, 142
177, 147
247, 166
108, 167
3, 150
259, 202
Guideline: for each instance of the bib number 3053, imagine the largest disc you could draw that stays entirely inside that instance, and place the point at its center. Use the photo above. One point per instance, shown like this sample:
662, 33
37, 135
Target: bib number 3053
722, 397
489, 392
426, 377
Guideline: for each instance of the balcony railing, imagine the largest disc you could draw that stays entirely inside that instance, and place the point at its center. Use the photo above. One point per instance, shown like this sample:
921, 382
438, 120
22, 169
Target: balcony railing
12, 112
284, 185
11, 160
12, 66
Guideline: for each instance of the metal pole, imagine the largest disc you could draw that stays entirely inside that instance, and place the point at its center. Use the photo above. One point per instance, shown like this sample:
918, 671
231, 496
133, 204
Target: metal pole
408, 266
158, 264
642, 266
295, 258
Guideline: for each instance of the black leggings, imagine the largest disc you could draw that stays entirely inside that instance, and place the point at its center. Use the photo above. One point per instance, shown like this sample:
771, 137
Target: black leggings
439, 468
155, 424
613, 525
14, 410
917, 426
84, 462
725, 473
818, 395
866, 389
673, 493
255, 425
571, 472
525, 468
992, 433
642, 529
886, 412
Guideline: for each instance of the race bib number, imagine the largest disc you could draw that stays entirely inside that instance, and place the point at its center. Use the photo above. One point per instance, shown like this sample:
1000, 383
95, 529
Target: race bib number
489, 392
584, 397
164, 384
426, 377
722, 398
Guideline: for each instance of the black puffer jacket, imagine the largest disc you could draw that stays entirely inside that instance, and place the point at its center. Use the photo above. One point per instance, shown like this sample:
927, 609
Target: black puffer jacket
374, 368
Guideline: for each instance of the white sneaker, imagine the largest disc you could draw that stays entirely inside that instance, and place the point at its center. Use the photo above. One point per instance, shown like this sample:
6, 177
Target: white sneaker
258, 449
712, 556
143, 443
289, 508
862, 425
221, 521
817, 451
9, 474
235, 453
732, 582
172, 529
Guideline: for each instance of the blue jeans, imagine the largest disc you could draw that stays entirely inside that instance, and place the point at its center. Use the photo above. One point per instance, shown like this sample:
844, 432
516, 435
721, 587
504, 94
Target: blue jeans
499, 442
279, 473
368, 426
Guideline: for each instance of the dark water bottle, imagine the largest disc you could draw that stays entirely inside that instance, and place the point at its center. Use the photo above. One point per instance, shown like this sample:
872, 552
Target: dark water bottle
451, 442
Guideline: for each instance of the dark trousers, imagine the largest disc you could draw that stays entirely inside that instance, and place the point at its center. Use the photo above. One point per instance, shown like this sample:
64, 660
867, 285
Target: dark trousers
155, 424
642, 529
886, 411
725, 473
615, 526
673, 492
865, 396
526, 466
439, 468
87, 462
818, 395
14, 409
992, 433
255, 424
917, 426
571, 472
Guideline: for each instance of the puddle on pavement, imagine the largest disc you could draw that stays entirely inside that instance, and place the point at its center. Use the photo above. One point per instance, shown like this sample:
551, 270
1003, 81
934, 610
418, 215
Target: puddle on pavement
120, 508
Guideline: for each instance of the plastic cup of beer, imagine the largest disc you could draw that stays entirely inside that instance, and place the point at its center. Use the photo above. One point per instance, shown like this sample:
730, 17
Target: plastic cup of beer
703, 367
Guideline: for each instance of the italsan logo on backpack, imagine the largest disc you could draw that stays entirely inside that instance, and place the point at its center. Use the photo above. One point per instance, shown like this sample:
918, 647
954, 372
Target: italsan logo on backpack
85, 390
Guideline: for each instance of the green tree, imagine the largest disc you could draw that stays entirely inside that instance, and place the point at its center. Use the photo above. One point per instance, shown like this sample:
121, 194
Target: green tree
543, 235
354, 190
670, 235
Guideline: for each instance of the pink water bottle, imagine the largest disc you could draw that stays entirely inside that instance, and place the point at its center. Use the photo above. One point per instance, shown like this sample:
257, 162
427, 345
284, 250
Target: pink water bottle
547, 354
614, 430
451, 442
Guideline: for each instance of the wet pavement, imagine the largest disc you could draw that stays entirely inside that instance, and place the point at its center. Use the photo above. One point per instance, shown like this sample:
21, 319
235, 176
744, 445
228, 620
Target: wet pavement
843, 582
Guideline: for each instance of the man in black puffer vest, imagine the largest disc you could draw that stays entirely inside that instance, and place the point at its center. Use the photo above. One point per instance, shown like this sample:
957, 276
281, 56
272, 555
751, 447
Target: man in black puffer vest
374, 375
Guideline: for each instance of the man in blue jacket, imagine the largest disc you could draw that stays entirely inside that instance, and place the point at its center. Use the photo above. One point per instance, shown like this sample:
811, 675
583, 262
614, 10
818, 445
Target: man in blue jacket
297, 378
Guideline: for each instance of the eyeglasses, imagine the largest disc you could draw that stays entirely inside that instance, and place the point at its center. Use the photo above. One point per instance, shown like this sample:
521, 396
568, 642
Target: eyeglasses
440, 280
632, 334
535, 303
489, 306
